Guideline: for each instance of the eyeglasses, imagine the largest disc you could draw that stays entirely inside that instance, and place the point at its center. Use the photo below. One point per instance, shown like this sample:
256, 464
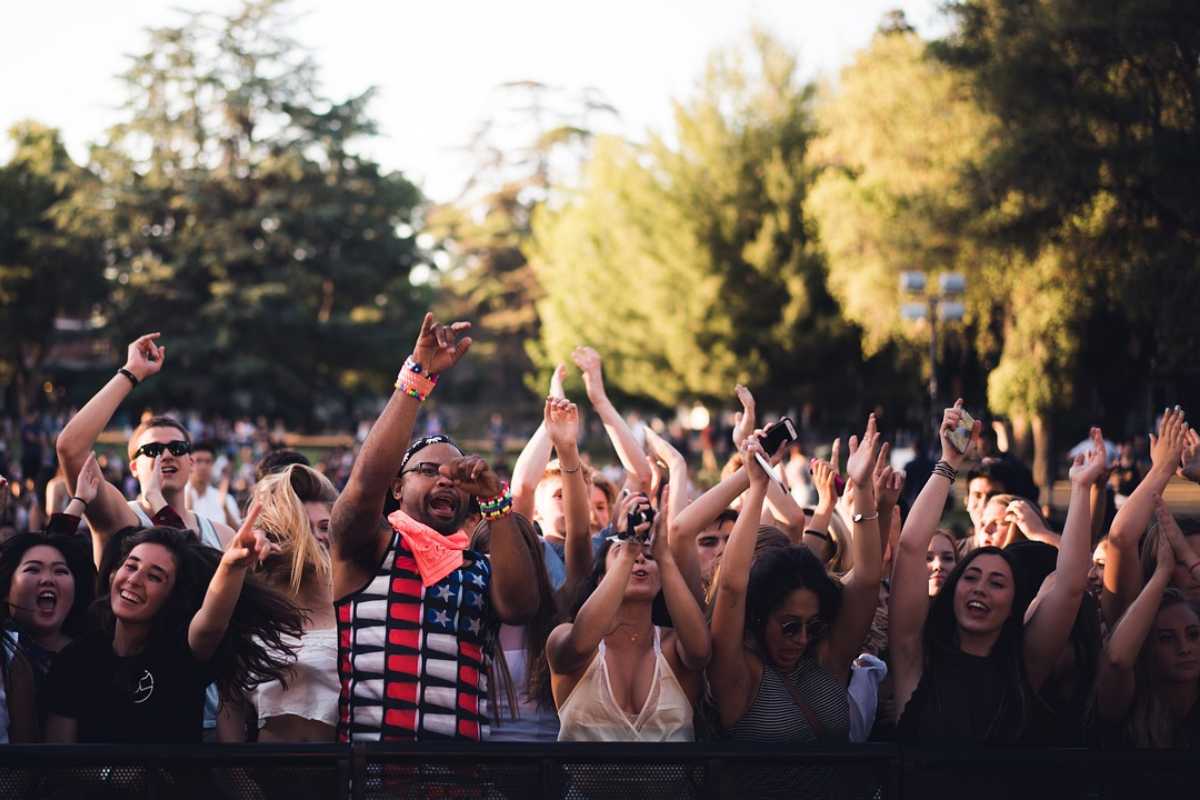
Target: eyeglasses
155, 449
426, 469
814, 628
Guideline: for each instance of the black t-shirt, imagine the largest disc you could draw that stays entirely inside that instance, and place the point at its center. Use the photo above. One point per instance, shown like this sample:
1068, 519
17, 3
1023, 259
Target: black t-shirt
154, 696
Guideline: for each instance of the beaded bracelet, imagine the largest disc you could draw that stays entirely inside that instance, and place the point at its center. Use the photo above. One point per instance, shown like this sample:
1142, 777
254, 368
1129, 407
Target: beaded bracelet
414, 381
496, 507
944, 469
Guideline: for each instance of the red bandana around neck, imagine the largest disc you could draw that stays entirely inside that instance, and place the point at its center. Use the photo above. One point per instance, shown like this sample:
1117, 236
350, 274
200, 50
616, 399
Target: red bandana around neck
436, 555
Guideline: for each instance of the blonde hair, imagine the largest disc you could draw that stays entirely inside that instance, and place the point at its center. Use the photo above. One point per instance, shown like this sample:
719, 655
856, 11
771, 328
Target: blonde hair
282, 496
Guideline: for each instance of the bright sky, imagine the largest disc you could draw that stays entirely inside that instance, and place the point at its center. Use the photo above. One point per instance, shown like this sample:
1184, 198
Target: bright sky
436, 63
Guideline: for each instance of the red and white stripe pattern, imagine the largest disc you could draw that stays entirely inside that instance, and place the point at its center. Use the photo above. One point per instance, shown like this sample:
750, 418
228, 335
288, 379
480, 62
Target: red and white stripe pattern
412, 660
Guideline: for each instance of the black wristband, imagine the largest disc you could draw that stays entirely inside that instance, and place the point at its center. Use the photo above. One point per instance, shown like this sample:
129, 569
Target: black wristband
80, 499
944, 469
818, 534
132, 378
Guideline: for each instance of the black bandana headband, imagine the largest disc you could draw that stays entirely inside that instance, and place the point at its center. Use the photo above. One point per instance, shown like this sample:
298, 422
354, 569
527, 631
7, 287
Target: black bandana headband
426, 441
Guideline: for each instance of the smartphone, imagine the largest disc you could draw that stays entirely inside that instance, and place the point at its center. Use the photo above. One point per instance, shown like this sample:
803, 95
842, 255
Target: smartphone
960, 437
777, 434
774, 437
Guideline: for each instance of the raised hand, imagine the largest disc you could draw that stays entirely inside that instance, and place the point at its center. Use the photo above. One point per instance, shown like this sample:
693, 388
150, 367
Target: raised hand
90, 479
556, 382
1166, 449
824, 476
473, 475
1189, 461
1165, 552
153, 483
438, 347
752, 447
561, 418
1022, 514
634, 503
144, 357
249, 546
1087, 469
744, 420
589, 363
951, 417
1168, 528
889, 482
860, 466
661, 448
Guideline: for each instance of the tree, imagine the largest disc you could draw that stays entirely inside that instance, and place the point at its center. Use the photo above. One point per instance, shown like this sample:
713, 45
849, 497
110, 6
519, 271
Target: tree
532, 142
240, 221
687, 261
46, 271
1098, 108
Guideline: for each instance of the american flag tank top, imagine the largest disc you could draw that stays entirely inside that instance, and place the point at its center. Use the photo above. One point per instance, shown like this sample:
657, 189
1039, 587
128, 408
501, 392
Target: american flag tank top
413, 660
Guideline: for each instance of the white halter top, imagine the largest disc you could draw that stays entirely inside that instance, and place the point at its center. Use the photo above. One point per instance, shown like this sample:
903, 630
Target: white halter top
591, 713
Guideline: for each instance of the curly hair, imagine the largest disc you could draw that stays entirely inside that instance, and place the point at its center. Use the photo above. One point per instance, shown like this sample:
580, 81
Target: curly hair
255, 648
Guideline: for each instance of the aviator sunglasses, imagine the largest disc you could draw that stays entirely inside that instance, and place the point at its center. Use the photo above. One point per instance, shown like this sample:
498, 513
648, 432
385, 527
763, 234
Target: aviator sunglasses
178, 448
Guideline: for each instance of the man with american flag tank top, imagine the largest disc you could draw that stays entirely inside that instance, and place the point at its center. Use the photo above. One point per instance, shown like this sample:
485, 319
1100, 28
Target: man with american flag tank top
416, 609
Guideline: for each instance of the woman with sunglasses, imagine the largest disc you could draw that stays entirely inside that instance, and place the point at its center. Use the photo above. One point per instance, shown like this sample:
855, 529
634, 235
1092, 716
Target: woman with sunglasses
176, 616
159, 455
784, 631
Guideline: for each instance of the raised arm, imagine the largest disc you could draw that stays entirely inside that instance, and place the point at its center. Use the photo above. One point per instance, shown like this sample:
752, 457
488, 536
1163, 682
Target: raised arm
909, 601
693, 645
785, 512
1189, 460
825, 473
248, 548
729, 673
1122, 571
631, 455
1115, 684
1046, 632
513, 591
861, 591
108, 512
572, 645
1029, 521
355, 519
531, 463
562, 426
683, 548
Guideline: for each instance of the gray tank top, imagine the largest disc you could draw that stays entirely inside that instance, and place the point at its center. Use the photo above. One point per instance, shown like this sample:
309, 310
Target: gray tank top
774, 717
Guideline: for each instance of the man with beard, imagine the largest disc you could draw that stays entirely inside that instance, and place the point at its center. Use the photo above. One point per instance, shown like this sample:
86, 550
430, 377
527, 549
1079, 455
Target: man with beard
416, 609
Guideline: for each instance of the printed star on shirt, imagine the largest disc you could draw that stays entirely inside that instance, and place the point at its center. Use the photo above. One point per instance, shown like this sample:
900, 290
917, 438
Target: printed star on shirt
477, 579
441, 618
444, 593
474, 626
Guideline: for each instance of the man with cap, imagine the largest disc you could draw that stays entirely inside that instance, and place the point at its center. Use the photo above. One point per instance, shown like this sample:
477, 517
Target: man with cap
416, 609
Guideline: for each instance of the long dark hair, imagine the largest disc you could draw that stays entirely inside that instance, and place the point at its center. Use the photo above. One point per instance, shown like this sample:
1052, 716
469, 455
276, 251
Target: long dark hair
537, 630
76, 552
255, 648
776, 573
941, 635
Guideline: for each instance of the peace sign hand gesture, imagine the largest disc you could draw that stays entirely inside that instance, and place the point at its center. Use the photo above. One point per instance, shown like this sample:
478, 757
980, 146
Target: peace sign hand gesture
438, 347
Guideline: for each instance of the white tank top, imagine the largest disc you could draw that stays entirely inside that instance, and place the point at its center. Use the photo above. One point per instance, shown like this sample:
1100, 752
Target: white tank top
312, 682
591, 713
207, 533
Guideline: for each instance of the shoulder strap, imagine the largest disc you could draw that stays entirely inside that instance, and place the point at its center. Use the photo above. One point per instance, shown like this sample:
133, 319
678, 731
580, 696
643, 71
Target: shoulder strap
818, 728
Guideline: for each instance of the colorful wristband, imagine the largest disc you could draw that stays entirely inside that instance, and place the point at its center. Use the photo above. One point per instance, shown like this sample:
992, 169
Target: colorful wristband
414, 381
498, 506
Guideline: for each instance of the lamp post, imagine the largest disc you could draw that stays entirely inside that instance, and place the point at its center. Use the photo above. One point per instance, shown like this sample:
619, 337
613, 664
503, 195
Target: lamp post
943, 305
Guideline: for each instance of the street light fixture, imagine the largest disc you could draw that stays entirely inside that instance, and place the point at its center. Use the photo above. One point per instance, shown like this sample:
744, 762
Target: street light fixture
944, 305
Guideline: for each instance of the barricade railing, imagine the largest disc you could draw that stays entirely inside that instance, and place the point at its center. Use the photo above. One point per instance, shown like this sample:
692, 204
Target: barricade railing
624, 771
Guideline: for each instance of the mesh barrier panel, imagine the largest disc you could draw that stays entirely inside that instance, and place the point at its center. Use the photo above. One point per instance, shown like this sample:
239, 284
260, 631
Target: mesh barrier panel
586, 772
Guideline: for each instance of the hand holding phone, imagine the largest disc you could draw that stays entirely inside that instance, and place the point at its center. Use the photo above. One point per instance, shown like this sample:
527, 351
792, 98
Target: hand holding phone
772, 438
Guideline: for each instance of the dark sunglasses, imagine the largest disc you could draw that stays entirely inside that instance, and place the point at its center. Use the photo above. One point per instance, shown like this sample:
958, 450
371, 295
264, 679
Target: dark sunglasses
814, 628
155, 449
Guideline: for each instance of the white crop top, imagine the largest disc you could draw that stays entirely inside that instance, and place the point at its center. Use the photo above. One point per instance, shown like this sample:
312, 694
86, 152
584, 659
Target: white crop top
312, 683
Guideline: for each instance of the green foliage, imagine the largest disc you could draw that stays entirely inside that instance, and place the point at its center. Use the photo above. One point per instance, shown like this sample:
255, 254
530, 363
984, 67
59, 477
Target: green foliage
687, 261
1099, 117
239, 221
46, 271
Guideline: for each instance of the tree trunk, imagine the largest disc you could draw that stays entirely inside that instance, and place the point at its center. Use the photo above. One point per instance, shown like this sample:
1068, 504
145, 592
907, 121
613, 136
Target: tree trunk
1043, 454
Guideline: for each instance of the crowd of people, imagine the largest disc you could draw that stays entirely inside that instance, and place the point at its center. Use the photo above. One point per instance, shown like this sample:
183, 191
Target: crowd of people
423, 597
